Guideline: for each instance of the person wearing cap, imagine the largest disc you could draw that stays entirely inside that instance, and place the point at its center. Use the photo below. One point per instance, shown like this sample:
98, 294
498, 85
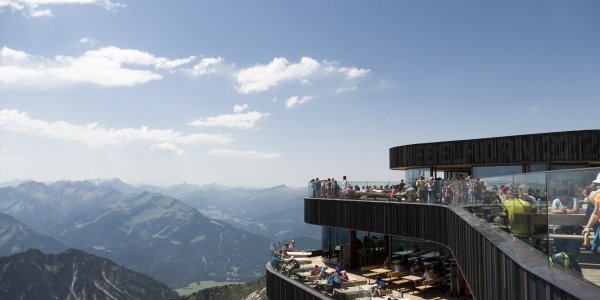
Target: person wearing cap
594, 216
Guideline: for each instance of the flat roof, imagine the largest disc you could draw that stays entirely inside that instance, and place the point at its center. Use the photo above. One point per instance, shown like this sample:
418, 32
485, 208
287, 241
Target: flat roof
568, 147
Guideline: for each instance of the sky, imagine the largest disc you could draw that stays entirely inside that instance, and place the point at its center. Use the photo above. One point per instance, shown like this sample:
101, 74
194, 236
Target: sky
262, 93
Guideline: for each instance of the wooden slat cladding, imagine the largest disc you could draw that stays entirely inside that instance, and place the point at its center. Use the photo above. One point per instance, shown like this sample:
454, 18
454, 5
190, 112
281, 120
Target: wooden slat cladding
280, 287
495, 266
568, 147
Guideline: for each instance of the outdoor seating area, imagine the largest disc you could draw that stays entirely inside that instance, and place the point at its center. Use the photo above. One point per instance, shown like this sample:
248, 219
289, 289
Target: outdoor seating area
361, 283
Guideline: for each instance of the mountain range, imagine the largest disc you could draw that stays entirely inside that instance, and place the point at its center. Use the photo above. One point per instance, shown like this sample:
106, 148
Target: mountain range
73, 274
146, 232
16, 237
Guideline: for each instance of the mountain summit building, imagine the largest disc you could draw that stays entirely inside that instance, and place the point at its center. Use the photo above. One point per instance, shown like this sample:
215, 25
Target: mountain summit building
495, 263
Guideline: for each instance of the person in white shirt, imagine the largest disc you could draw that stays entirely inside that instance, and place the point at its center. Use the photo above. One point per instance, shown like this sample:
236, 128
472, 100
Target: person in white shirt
344, 183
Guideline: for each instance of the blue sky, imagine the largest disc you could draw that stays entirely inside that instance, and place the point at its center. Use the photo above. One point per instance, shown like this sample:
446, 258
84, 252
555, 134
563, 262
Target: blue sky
259, 93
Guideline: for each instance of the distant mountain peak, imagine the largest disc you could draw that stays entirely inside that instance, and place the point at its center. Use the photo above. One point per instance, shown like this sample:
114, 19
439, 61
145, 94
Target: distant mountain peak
74, 274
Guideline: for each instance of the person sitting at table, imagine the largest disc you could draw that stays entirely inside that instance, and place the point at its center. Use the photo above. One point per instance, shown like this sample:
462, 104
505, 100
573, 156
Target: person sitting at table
377, 287
416, 248
429, 274
275, 261
387, 263
324, 273
344, 276
564, 205
513, 205
315, 271
291, 265
418, 267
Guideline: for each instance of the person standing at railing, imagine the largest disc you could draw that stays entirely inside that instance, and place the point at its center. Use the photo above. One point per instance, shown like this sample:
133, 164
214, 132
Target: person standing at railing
594, 217
344, 183
430, 187
317, 187
420, 184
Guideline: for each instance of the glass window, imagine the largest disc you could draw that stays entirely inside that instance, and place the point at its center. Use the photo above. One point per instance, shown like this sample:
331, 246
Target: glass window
537, 167
566, 167
491, 171
413, 175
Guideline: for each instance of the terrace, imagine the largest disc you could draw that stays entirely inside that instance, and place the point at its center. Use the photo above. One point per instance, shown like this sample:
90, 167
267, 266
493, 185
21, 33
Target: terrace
536, 226
400, 284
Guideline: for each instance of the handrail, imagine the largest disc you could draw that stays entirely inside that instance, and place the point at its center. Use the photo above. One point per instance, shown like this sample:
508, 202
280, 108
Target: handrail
282, 287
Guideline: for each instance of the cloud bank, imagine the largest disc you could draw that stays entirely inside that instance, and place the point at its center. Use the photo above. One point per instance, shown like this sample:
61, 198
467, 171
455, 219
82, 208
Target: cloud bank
96, 136
238, 120
107, 66
38, 8
261, 78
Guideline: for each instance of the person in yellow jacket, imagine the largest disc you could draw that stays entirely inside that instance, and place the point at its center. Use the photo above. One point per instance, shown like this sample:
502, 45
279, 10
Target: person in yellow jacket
513, 205
421, 188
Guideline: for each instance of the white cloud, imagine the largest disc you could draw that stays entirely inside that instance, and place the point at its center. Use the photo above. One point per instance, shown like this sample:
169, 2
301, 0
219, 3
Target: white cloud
295, 101
244, 154
353, 72
108, 66
88, 41
36, 8
263, 77
207, 65
533, 108
238, 120
240, 108
96, 136
260, 78
346, 89
12, 55
166, 147
41, 13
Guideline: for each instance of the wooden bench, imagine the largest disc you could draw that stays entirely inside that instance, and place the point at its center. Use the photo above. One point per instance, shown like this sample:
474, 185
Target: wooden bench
429, 283
401, 281
392, 276
369, 268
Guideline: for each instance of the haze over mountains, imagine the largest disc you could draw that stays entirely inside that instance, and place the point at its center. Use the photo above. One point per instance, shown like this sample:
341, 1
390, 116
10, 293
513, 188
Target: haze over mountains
157, 234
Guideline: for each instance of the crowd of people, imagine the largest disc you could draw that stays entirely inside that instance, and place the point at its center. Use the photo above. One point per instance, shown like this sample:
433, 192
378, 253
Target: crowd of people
435, 190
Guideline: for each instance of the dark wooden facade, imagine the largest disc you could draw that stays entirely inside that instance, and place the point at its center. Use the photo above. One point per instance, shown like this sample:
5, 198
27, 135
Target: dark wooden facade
556, 147
496, 267
280, 287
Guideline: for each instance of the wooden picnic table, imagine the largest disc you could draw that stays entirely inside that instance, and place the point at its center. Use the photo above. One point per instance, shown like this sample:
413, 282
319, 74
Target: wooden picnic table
414, 279
381, 271
376, 272
431, 254
551, 219
300, 254
403, 253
